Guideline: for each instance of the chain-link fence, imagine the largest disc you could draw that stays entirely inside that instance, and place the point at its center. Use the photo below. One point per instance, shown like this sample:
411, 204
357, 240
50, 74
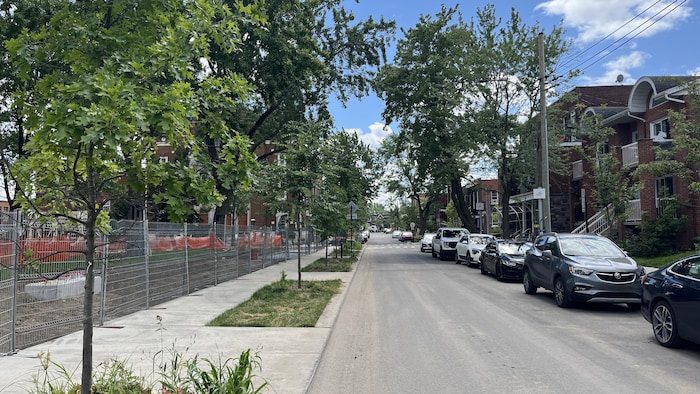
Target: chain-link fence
137, 265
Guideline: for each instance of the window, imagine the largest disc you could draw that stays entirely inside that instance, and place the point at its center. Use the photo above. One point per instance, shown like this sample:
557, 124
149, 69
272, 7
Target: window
690, 268
163, 159
494, 198
664, 187
661, 130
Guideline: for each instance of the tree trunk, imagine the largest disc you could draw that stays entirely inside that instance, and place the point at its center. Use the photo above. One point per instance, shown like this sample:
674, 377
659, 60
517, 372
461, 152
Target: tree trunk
462, 208
86, 382
299, 249
423, 216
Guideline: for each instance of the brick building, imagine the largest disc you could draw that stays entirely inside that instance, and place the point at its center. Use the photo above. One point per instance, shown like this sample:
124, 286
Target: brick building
639, 116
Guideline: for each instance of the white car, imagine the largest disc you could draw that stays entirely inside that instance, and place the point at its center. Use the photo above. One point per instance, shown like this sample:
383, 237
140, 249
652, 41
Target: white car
470, 246
373, 228
426, 243
445, 241
396, 234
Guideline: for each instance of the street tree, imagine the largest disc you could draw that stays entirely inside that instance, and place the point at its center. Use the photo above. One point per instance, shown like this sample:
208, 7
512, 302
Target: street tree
126, 81
307, 52
16, 93
509, 96
409, 174
428, 90
290, 185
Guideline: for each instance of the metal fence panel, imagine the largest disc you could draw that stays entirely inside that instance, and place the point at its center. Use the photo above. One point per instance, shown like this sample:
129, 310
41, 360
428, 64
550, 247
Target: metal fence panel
138, 265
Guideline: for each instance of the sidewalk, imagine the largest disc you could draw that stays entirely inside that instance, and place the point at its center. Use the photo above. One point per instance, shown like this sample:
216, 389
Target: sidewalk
289, 356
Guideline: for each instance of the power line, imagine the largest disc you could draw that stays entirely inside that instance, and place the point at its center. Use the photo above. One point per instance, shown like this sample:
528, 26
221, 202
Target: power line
609, 34
631, 38
624, 37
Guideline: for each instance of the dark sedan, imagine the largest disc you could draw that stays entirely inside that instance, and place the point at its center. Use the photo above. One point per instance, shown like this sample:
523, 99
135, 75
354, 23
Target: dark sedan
504, 258
671, 302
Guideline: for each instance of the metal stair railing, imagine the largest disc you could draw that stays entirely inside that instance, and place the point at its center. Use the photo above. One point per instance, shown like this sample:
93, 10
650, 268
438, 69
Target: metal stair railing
596, 224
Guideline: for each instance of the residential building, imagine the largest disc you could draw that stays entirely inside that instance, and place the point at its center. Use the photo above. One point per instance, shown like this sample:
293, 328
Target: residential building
638, 114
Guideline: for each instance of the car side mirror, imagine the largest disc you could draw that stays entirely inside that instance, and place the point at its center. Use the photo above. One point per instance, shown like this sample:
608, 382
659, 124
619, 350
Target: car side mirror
547, 254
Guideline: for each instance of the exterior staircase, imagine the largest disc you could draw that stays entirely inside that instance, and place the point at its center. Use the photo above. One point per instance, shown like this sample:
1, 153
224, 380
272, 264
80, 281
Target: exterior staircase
600, 223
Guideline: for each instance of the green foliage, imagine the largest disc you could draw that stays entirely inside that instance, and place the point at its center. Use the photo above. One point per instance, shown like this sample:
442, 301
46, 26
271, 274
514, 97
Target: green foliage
657, 237
113, 376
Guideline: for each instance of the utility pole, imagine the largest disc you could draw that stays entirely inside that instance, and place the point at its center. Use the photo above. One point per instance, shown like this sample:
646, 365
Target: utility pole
544, 140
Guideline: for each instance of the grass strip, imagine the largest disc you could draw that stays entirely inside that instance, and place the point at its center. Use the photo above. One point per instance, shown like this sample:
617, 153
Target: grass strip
281, 304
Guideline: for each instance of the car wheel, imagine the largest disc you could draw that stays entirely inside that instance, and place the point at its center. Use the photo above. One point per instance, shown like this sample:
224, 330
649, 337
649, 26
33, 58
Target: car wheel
468, 260
663, 322
561, 294
433, 253
499, 274
530, 287
482, 269
457, 258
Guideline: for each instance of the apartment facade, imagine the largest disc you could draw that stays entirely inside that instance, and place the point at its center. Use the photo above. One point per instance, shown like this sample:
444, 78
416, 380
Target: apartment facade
641, 126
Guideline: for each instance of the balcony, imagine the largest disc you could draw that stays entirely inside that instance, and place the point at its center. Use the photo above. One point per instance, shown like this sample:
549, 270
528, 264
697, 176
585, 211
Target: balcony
634, 212
630, 155
577, 170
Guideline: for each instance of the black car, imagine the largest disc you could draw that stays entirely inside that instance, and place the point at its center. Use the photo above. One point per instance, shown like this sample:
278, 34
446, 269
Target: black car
671, 302
504, 258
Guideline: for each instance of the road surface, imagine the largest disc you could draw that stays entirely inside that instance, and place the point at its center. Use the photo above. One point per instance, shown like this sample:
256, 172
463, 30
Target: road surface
411, 323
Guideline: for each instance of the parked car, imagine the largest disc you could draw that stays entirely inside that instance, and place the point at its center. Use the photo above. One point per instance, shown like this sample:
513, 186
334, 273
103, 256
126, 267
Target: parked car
504, 258
582, 268
396, 234
426, 243
373, 228
406, 236
364, 237
445, 241
470, 246
671, 302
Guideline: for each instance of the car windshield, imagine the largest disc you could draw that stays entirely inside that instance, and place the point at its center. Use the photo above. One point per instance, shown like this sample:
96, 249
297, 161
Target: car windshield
599, 247
512, 249
477, 240
451, 233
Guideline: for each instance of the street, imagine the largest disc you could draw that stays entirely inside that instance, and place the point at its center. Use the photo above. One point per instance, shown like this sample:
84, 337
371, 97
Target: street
415, 324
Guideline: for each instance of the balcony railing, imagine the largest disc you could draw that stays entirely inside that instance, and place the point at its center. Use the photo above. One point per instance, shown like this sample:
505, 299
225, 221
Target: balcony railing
577, 170
634, 212
630, 156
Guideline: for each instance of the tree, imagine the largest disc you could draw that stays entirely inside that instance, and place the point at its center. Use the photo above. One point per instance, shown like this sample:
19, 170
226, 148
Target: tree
16, 92
427, 90
307, 51
406, 177
126, 80
509, 94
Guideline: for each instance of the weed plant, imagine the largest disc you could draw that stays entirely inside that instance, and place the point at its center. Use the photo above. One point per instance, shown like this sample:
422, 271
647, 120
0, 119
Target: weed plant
178, 374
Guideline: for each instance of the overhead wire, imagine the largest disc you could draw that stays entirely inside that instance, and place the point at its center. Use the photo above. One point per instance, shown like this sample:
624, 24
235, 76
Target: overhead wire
649, 22
580, 53
630, 38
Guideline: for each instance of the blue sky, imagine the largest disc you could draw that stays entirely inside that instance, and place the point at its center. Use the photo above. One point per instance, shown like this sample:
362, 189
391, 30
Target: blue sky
632, 38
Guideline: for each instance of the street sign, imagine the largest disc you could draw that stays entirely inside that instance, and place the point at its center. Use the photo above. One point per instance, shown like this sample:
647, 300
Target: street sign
539, 193
352, 211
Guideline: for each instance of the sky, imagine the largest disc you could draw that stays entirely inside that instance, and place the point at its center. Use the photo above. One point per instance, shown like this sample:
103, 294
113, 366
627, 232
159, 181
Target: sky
632, 38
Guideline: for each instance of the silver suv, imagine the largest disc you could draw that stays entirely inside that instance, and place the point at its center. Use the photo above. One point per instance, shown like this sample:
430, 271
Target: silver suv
582, 268
445, 241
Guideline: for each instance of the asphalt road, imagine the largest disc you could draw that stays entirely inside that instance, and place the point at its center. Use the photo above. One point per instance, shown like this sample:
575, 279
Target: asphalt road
414, 324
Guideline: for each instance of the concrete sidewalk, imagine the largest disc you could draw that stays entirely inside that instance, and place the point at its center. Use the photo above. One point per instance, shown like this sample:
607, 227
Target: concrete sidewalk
289, 356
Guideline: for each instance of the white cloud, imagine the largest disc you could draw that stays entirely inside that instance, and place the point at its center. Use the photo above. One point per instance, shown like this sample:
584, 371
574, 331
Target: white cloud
377, 133
619, 66
596, 19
